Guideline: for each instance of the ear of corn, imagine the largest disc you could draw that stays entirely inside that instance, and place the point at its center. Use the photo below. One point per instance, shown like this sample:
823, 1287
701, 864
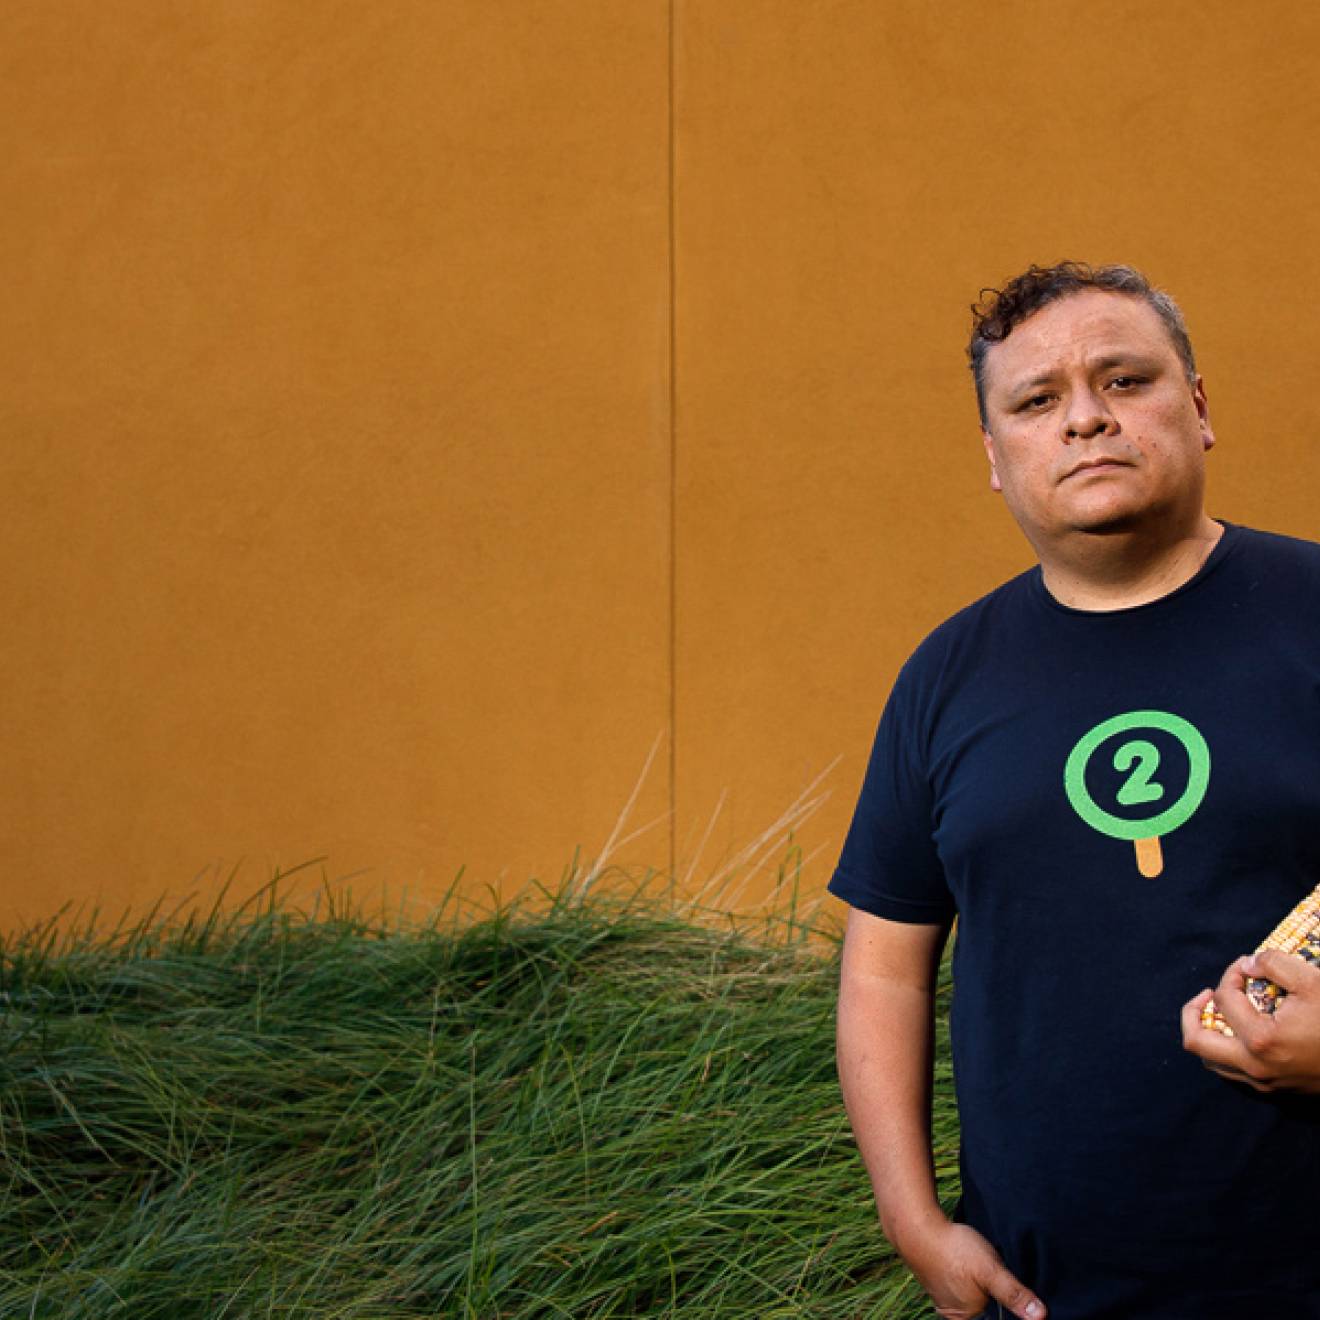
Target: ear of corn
1298, 933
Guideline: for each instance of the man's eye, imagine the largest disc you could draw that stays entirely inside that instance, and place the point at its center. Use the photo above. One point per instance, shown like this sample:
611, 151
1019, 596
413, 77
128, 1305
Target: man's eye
1124, 382
1035, 403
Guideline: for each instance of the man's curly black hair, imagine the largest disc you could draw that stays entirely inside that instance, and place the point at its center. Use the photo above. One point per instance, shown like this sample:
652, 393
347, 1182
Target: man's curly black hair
998, 311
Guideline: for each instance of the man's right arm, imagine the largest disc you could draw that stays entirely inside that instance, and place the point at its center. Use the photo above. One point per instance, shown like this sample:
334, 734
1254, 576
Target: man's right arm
885, 1047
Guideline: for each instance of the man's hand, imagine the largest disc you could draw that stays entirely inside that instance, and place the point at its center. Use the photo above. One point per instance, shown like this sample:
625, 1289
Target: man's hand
963, 1274
1268, 1051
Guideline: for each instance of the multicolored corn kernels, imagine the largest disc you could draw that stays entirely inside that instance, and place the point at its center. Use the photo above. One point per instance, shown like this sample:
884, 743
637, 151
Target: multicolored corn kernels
1298, 933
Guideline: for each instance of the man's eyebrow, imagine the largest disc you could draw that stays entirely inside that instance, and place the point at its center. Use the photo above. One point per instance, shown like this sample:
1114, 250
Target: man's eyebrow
1134, 359
1021, 387
1105, 363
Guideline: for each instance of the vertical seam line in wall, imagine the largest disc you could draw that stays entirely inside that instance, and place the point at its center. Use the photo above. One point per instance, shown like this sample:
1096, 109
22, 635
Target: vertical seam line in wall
673, 443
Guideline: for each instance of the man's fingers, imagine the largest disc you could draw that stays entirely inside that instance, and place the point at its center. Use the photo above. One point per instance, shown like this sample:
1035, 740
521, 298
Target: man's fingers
1234, 980
1294, 974
1236, 1009
1225, 1055
1191, 1019
1019, 1299
1213, 1047
1253, 1028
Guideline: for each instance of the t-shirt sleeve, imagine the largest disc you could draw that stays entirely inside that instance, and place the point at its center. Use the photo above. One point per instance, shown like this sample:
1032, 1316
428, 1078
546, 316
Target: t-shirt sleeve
889, 866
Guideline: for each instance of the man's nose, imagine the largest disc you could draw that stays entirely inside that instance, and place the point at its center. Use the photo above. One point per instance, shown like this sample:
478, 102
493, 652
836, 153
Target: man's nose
1086, 416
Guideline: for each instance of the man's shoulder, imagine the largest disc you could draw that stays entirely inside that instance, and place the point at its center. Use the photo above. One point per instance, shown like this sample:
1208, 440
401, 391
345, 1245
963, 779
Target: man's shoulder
1292, 562
1282, 544
965, 631
1009, 598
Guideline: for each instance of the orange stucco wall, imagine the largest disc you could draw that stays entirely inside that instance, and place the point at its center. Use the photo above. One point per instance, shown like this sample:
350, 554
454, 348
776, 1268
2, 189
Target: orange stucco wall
411, 411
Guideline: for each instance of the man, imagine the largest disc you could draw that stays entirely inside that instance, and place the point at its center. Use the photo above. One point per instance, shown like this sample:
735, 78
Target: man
1109, 771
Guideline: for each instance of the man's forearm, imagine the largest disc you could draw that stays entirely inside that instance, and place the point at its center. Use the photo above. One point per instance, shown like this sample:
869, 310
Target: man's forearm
885, 1046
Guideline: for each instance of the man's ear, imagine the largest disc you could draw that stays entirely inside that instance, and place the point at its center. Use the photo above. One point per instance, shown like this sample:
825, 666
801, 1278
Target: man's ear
1203, 412
988, 441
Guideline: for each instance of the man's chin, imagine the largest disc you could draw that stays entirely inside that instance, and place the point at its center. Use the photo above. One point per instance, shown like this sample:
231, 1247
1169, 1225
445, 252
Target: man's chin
1117, 519
1117, 524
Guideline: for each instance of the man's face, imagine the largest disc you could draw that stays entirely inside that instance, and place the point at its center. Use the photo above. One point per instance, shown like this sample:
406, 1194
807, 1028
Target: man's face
1091, 423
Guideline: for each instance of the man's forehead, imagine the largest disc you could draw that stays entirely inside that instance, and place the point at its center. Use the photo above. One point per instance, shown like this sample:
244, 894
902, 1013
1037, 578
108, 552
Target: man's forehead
1093, 324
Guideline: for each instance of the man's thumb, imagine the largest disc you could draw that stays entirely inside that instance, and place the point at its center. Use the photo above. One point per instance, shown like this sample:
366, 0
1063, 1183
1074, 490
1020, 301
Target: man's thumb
1016, 1296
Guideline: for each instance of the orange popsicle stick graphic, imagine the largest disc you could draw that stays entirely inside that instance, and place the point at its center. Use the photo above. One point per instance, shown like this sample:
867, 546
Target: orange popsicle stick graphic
1150, 857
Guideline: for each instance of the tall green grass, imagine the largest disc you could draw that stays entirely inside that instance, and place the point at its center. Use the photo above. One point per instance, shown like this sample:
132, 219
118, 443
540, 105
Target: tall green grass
590, 1106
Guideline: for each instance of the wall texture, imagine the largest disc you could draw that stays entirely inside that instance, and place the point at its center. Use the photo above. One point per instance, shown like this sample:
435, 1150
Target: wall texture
413, 411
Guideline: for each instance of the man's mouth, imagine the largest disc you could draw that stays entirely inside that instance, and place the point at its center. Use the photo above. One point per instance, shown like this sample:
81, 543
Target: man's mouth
1095, 465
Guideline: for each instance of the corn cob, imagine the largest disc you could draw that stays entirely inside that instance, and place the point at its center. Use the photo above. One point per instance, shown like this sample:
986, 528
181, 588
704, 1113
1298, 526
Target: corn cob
1298, 933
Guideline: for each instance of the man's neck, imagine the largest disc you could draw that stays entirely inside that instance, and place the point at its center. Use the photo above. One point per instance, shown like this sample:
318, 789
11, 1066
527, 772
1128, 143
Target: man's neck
1122, 569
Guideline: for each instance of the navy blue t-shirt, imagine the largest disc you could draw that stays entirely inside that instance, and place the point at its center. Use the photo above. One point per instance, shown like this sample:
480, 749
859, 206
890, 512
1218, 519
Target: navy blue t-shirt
1026, 756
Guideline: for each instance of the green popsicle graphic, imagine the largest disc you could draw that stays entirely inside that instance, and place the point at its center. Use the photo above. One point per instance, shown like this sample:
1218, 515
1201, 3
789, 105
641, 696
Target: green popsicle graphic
1139, 759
